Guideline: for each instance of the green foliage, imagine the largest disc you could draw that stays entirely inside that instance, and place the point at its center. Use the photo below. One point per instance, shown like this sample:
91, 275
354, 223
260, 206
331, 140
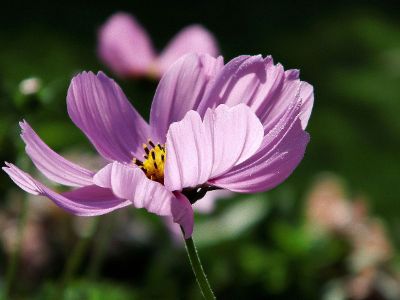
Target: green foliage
87, 290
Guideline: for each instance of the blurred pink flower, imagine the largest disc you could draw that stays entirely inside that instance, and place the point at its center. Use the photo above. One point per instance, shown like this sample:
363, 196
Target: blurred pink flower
126, 48
31, 244
330, 211
239, 126
327, 207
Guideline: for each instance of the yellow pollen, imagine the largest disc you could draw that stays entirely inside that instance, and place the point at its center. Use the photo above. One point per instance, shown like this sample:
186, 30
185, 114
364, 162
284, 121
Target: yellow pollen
154, 159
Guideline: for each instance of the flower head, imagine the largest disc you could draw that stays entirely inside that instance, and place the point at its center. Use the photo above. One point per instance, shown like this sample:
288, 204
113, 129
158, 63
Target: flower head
126, 48
239, 126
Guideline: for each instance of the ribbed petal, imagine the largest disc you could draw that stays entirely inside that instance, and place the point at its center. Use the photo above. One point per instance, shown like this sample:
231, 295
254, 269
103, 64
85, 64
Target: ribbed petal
97, 105
129, 182
275, 105
86, 201
192, 39
282, 102
306, 94
181, 89
236, 82
263, 86
125, 46
198, 151
282, 150
51, 164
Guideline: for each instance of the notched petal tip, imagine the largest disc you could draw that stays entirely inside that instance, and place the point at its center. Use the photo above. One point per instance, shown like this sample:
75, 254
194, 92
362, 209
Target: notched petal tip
83, 75
85, 201
268, 59
23, 124
86, 76
21, 179
101, 74
292, 74
6, 167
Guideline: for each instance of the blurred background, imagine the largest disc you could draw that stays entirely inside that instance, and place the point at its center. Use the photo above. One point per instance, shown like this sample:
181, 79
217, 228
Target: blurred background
331, 231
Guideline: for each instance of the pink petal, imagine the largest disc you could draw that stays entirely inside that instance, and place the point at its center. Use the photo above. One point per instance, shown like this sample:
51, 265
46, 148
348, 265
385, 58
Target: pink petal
282, 150
263, 86
125, 46
199, 151
306, 94
86, 201
291, 89
181, 89
51, 164
236, 83
129, 182
97, 105
192, 39
182, 213
204, 206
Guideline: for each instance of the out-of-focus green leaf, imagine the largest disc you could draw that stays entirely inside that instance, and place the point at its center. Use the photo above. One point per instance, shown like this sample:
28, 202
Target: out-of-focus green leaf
233, 221
294, 240
87, 290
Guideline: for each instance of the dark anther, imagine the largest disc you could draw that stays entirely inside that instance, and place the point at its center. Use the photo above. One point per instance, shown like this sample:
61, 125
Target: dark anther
155, 165
151, 144
138, 162
153, 155
162, 157
146, 149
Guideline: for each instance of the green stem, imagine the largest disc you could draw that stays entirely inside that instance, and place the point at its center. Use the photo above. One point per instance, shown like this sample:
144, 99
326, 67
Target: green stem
198, 271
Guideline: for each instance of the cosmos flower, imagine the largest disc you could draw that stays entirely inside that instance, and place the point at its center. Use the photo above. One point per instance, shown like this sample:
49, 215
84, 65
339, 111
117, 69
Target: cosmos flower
239, 126
125, 47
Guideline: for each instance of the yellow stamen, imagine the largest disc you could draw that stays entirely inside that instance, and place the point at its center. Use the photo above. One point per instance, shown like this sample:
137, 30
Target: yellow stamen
153, 165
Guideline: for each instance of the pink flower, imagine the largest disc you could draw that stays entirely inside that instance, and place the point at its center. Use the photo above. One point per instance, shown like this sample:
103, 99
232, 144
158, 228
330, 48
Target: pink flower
238, 126
125, 47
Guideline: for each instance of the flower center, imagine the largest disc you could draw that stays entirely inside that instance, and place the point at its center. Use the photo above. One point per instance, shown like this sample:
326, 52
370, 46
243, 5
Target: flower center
153, 163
